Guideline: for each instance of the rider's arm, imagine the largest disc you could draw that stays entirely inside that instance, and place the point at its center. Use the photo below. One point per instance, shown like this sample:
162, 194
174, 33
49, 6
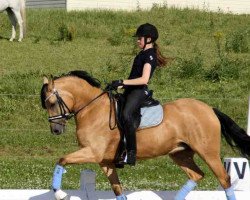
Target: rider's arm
143, 80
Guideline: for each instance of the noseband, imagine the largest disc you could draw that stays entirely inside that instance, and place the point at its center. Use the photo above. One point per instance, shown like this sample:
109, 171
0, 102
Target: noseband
64, 109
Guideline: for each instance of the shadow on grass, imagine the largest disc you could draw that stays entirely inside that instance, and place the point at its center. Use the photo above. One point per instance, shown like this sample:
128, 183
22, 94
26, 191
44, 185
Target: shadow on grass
3, 38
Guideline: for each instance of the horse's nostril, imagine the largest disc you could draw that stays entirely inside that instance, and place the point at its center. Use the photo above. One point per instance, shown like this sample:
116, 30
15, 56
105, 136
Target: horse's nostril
56, 131
57, 128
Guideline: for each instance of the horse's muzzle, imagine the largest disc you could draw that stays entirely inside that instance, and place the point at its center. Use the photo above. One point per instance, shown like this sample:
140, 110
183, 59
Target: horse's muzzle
57, 128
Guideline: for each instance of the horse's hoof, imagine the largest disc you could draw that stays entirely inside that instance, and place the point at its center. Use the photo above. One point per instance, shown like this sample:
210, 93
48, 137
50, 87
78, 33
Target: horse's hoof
11, 40
61, 195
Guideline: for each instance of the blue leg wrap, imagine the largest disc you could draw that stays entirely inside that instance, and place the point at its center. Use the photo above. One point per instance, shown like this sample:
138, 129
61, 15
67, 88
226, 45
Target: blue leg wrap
230, 193
183, 192
57, 177
121, 197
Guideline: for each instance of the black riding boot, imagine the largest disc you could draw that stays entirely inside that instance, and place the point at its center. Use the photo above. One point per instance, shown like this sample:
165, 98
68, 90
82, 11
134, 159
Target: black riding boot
131, 121
131, 157
131, 149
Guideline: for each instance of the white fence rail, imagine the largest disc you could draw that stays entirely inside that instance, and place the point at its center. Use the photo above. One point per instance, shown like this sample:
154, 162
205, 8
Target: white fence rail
231, 6
46, 3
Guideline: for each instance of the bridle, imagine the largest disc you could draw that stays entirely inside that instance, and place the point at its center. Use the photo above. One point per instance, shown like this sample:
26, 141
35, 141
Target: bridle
65, 112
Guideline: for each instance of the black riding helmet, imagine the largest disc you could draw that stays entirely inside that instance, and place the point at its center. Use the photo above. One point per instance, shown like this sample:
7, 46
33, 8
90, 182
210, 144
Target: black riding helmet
147, 30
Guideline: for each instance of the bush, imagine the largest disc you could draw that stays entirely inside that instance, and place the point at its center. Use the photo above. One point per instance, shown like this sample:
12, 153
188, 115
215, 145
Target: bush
116, 39
67, 33
188, 68
223, 70
121, 35
237, 42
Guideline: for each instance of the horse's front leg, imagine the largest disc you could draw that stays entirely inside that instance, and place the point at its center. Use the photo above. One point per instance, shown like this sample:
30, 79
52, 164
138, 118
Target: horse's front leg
13, 22
110, 172
20, 23
84, 155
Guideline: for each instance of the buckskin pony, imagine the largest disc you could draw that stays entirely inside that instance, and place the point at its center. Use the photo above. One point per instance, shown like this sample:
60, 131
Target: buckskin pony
189, 126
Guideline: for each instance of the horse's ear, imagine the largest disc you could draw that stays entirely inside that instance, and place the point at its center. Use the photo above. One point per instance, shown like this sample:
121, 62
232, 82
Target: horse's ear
51, 85
45, 80
48, 81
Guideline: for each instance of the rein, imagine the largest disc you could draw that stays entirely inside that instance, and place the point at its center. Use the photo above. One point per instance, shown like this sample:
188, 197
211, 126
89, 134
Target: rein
89, 103
67, 114
112, 102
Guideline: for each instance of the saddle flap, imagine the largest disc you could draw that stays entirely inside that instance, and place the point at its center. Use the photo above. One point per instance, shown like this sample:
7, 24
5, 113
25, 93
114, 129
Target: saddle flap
151, 116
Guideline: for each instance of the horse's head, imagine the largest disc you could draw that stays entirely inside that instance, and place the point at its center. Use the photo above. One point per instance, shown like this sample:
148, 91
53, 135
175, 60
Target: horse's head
58, 104
61, 97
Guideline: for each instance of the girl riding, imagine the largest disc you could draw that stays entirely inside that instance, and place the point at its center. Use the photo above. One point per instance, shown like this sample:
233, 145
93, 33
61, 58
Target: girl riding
136, 86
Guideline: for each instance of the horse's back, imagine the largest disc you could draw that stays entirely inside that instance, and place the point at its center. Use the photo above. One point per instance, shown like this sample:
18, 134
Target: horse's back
4, 4
191, 111
188, 106
12, 4
196, 121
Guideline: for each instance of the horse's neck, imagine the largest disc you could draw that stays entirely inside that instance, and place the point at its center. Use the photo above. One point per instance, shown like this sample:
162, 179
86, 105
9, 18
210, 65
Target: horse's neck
92, 121
84, 96
94, 117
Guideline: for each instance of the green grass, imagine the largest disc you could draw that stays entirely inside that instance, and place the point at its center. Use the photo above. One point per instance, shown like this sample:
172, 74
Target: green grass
211, 52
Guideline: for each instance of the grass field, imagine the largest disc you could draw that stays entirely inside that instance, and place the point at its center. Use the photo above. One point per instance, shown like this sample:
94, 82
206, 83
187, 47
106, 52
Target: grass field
211, 63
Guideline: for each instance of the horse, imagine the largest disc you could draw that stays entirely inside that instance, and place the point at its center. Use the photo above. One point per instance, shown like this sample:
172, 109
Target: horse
189, 126
16, 13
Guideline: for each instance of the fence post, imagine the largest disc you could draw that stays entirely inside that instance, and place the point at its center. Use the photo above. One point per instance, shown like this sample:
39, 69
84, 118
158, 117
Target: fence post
87, 184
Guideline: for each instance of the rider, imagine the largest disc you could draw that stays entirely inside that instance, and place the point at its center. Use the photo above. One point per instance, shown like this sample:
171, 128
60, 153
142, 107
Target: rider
136, 86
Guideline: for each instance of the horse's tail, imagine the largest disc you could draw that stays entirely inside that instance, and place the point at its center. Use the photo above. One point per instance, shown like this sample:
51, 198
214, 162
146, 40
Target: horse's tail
23, 14
234, 135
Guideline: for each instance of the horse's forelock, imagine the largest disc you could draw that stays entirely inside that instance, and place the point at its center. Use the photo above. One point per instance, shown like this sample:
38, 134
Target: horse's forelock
43, 94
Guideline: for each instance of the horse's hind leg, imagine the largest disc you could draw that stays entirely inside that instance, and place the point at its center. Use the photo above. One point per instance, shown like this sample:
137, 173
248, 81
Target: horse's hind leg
110, 172
218, 169
20, 23
13, 22
185, 160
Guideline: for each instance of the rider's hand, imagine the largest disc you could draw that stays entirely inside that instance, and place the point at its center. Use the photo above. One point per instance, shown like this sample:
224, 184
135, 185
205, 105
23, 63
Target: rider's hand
116, 83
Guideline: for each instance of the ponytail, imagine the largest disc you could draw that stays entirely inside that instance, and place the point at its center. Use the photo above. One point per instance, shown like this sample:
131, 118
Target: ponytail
161, 59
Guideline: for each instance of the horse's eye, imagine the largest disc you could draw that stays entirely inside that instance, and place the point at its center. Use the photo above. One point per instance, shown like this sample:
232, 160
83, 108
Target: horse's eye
51, 105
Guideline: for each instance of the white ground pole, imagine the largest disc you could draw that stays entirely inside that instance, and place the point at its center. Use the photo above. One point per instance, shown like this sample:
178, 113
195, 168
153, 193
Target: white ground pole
88, 191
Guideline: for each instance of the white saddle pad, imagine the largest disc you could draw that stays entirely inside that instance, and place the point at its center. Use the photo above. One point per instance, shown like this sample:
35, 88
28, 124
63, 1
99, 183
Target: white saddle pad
151, 116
